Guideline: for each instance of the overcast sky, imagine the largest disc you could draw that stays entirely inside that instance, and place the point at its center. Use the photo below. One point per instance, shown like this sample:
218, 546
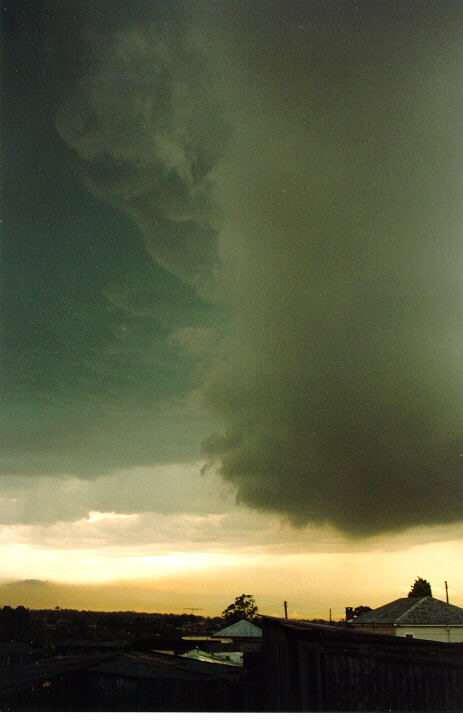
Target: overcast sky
232, 311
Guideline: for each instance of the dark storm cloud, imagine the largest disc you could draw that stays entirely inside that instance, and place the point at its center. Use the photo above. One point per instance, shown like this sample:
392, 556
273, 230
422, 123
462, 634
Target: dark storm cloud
342, 396
91, 380
147, 130
299, 161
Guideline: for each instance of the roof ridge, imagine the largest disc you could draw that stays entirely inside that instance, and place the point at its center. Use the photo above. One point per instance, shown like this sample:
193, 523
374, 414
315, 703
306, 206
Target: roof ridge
413, 606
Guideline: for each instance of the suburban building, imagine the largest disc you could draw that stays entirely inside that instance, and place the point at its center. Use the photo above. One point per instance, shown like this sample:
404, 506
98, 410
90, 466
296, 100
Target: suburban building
417, 617
242, 630
246, 637
206, 642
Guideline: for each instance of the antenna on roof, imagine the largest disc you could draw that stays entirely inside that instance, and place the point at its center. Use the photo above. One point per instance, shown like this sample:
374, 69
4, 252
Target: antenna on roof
446, 592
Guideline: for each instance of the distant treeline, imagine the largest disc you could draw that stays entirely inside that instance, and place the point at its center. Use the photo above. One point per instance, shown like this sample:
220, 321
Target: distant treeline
46, 626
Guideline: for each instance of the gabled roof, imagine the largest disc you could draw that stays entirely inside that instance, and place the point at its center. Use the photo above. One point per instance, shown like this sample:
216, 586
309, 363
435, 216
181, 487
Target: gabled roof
413, 610
243, 628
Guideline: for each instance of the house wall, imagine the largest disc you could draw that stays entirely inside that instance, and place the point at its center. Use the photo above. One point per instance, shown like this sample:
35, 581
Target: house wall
436, 634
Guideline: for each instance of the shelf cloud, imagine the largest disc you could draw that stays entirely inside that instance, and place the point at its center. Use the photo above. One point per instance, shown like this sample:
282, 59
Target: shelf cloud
236, 241
342, 394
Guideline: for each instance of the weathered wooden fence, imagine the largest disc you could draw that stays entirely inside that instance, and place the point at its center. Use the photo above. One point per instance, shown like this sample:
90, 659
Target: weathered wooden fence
314, 668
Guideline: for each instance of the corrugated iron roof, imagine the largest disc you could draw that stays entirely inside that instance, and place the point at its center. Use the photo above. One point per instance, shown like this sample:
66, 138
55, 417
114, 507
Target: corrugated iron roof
243, 628
155, 664
19, 677
203, 656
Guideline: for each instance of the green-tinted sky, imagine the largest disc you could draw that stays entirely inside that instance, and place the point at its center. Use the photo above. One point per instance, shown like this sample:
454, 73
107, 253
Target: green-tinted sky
88, 359
232, 253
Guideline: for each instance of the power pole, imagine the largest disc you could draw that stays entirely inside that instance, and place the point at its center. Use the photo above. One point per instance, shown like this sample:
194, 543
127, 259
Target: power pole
285, 604
330, 615
446, 592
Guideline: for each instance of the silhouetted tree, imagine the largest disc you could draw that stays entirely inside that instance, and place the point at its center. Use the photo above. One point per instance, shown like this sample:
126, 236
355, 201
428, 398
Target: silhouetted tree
360, 610
244, 607
420, 588
15, 624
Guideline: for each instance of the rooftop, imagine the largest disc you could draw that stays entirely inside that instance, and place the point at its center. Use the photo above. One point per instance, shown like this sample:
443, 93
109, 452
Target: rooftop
203, 656
413, 610
243, 628
158, 665
20, 677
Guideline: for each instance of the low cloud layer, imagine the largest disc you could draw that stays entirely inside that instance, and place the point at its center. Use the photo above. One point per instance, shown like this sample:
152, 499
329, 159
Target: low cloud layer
165, 489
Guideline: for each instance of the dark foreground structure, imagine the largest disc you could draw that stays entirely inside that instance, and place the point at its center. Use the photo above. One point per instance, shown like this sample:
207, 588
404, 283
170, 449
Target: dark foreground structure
125, 682
302, 667
310, 667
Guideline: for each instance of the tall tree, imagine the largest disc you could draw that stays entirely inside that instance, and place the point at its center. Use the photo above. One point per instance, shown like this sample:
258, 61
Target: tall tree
420, 588
244, 607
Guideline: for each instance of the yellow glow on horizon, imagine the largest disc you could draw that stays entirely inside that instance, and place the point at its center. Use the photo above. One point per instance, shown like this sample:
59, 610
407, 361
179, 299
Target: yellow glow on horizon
139, 579
171, 562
